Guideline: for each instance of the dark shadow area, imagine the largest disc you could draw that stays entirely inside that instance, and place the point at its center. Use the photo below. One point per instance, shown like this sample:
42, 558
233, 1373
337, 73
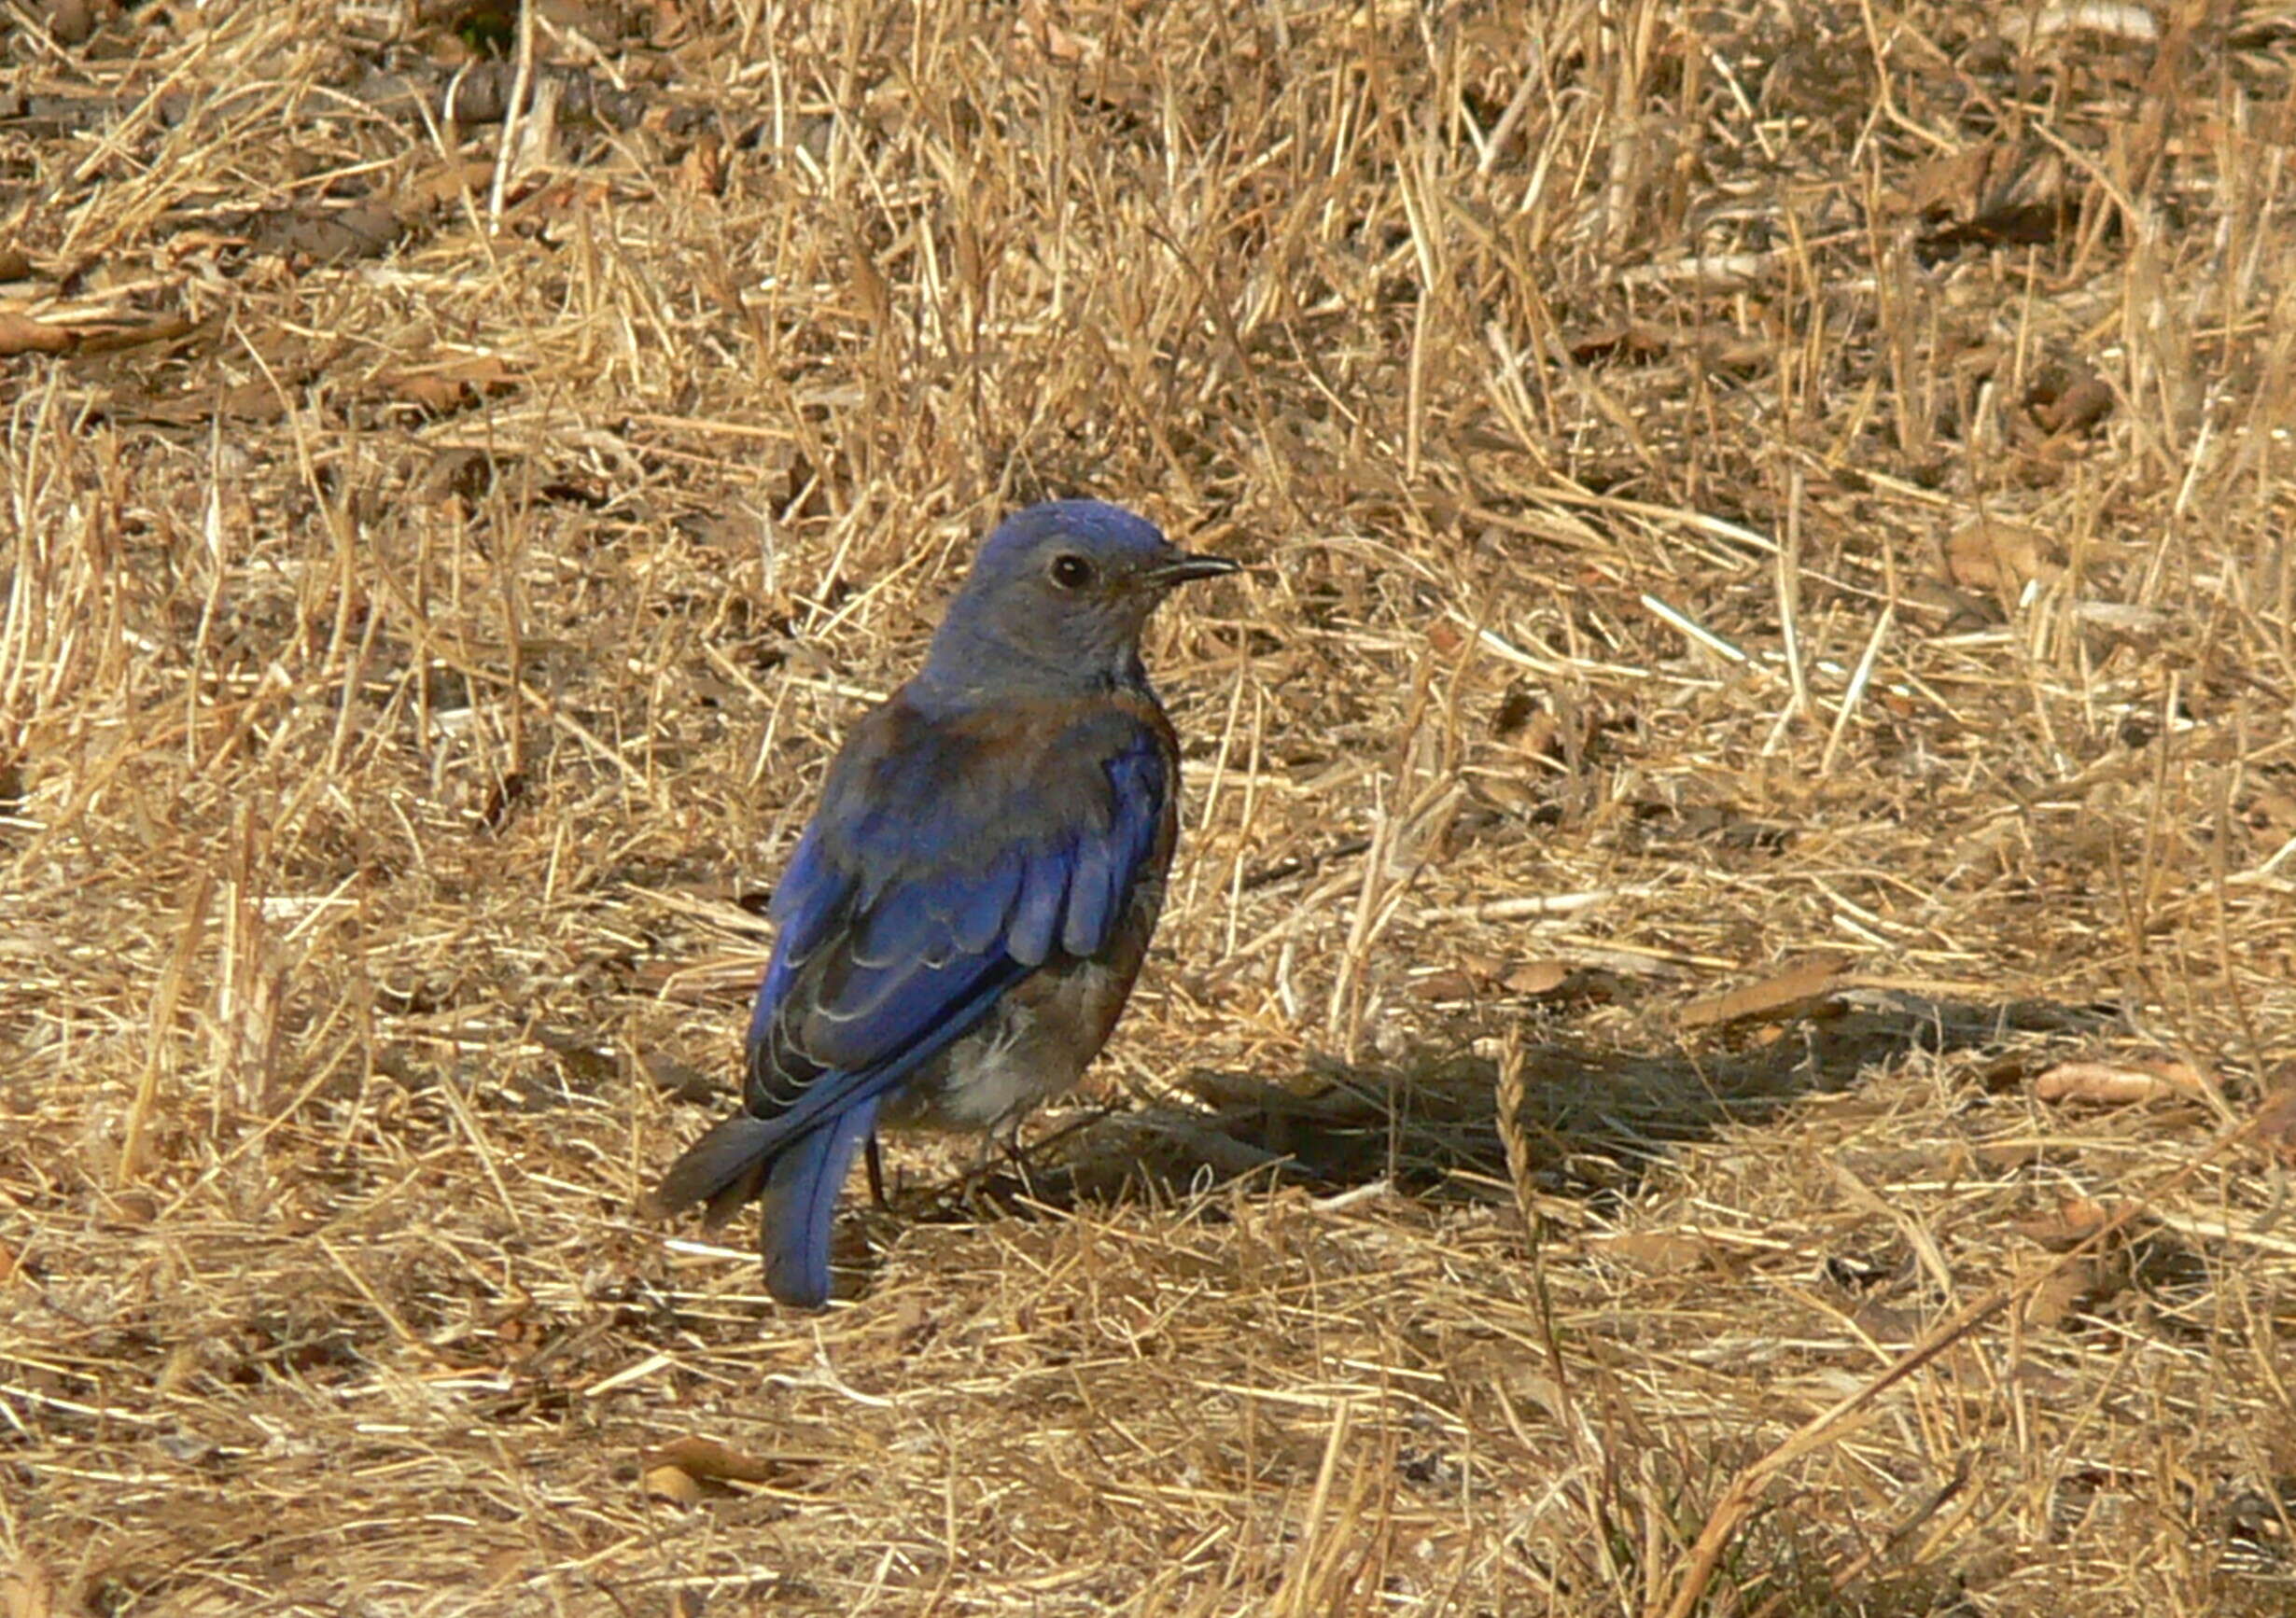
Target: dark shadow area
1595, 1118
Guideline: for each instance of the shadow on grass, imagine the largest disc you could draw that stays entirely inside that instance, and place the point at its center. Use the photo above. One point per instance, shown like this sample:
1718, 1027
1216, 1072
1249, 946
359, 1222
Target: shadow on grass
1595, 1118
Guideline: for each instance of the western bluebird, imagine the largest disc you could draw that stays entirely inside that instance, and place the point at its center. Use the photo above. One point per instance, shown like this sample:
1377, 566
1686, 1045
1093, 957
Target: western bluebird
963, 919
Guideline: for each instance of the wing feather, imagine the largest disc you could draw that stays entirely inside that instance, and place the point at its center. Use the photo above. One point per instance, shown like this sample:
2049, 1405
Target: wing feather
937, 874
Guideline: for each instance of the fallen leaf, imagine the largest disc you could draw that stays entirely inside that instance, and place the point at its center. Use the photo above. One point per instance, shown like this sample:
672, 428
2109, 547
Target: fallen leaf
29, 1590
1618, 340
1951, 183
707, 1457
1535, 978
449, 385
2271, 810
2075, 1219
1656, 1252
1992, 554
1800, 987
702, 171
2060, 1294
1888, 1324
1061, 45
2105, 16
2006, 1157
2276, 1123
21, 334
313, 234
112, 337
672, 1483
669, 24
503, 1564
2110, 1085
2072, 405
183, 1364
264, 398
449, 183
1716, 346
709, 1460
2021, 199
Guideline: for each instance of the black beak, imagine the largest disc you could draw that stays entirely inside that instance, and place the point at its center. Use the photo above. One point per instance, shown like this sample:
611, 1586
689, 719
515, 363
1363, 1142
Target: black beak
1188, 566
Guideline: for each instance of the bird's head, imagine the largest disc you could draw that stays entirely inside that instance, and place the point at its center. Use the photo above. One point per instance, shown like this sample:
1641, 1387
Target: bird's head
1058, 597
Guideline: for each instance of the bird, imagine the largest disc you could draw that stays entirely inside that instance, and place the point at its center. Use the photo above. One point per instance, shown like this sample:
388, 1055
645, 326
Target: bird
963, 918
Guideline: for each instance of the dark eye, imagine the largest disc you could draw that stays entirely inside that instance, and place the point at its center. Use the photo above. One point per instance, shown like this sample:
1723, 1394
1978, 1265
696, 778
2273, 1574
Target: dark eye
1071, 571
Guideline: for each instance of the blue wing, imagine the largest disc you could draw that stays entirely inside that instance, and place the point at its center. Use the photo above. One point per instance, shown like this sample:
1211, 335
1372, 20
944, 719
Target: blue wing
946, 865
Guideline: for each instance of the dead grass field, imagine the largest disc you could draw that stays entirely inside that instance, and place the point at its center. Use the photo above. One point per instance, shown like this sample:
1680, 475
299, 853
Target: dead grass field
1716, 1047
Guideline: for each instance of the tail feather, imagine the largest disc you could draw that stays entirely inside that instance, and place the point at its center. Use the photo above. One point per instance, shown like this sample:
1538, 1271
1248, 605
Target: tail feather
795, 1182
724, 1169
799, 1204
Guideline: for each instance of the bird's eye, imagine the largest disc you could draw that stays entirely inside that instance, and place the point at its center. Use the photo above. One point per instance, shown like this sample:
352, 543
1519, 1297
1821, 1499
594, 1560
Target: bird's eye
1071, 571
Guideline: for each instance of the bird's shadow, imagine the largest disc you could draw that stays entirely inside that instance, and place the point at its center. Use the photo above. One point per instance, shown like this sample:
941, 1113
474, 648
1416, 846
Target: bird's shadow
1595, 1118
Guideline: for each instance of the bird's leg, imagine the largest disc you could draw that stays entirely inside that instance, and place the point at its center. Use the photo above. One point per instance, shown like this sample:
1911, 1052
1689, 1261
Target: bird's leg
999, 1141
877, 1174
1021, 1166
1007, 1135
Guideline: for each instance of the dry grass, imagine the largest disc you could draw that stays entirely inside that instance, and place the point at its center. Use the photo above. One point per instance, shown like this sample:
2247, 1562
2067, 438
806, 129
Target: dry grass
1722, 484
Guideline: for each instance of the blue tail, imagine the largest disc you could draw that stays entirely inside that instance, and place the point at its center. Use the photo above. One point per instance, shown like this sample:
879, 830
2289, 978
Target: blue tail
798, 1204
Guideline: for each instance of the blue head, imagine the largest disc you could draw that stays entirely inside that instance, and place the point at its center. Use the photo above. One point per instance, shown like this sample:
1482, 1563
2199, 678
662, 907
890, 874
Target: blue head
1056, 600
